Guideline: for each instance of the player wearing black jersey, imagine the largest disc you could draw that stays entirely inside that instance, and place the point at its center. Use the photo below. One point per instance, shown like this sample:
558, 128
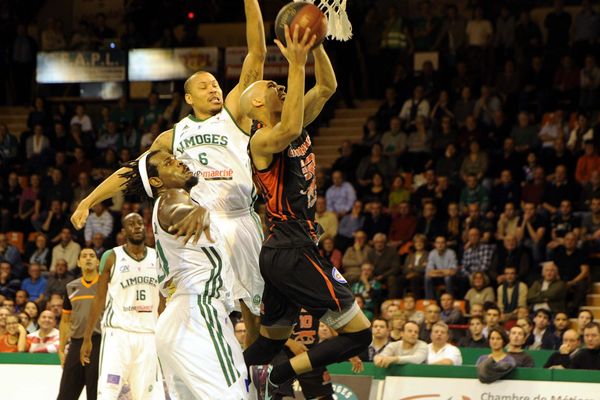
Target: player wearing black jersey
295, 274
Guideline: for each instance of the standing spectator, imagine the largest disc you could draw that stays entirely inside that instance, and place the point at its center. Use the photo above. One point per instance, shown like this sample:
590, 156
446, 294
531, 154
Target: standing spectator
409, 350
380, 340
450, 314
479, 37
387, 264
480, 291
53, 38
340, 196
83, 119
574, 269
570, 346
409, 303
515, 347
45, 339
355, 256
15, 338
585, 30
452, 36
512, 294
432, 316
100, 221
441, 264
23, 58
67, 250
541, 337
589, 357
35, 285
440, 352
558, 25
566, 81
474, 338
550, 292
415, 264
327, 219
587, 163
589, 81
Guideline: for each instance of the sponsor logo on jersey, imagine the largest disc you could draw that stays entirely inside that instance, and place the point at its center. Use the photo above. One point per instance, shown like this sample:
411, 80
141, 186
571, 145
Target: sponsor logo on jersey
337, 276
216, 174
256, 299
301, 150
113, 379
206, 139
124, 268
139, 280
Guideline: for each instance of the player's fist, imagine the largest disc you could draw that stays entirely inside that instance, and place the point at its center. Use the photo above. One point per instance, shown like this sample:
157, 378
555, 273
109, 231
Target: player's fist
80, 216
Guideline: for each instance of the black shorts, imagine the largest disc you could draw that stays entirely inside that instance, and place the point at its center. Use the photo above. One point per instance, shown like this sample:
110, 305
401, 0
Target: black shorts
300, 277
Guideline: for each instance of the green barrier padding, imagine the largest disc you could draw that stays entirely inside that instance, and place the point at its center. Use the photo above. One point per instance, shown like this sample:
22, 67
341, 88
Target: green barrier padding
29, 358
575, 375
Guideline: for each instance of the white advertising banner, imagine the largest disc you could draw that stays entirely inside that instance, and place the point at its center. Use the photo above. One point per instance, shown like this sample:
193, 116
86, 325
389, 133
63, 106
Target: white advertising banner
80, 66
412, 388
169, 64
25, 381
276, 66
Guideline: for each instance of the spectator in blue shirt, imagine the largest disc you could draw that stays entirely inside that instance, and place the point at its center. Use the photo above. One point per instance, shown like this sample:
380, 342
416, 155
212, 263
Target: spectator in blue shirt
340, 196
10, 254
35, 285
441, 266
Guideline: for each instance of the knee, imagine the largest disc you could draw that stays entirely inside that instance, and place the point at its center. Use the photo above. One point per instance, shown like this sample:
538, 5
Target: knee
360, 340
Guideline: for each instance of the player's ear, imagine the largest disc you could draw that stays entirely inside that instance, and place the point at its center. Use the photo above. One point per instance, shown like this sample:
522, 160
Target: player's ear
188, 98
258, 102
155, 182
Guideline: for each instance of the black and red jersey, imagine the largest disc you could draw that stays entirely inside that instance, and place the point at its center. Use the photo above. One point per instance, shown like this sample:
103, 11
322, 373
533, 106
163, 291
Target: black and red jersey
289, 188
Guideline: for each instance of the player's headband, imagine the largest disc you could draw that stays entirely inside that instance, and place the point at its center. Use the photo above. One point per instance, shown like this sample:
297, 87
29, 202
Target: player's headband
143, 170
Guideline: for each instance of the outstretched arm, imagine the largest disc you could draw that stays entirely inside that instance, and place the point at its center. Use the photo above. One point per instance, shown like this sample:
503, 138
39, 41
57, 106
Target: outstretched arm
324, 88
179, 215
252, 69
112, 185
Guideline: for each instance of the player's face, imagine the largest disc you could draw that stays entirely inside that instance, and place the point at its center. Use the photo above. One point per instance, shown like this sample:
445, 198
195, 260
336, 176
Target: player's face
274, 96
173, 173
134, 229
205, 94
88, 261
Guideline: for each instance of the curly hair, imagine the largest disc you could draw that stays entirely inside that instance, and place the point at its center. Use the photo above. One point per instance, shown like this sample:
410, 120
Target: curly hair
133, 185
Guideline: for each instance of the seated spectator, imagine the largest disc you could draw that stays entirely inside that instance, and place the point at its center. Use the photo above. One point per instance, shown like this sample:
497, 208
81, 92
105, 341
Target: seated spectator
375, 162
45, 339
67, 250
432, 316
376, 192
531, 232
513, 255
394, 141
380, 340
330, 253
33, 311
341, 195
349, 225
55, 305
15, 338
454, 227
355, 256
559, 189
475, 164
376, 221
35, 285
440, 352
506, 191
573, 268
512, 294
473, 193
10, 254
450, 314
524, 135
403, 225
508, 222
477, 220
584, 317
552, 129
361, 304
417, 106
415, 264
100, 221
98, 244
587, 163
388, 109
21, 299
548, 293
449, 163
492, 319
491, 367
474, 338
426, 191
541, 337
560, 324
570, 346
515, 348
480, 291
563, 222
409, 303
399, 194
387, 265
368, 287
428, 223
83, 119
37, 148
464, 106
41, 254
589, 357
9, 284
51, 223
418, 145
409, 350
441, 265
396, 324
327, 219
591, 226
477, 256
477, 310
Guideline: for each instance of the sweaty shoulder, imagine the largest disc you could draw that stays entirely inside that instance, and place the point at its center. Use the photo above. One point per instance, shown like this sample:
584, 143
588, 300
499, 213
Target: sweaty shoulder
164, 142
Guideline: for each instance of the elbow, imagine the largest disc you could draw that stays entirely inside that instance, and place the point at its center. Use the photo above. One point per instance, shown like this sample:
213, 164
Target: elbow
328, 89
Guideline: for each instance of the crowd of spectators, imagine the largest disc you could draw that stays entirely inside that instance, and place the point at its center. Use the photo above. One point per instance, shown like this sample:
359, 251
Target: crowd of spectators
475, 188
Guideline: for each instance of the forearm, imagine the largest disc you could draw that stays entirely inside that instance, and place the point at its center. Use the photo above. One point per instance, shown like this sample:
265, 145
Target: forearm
95, 311
105, 190
255, 30
291, 119
65, 333
324, 73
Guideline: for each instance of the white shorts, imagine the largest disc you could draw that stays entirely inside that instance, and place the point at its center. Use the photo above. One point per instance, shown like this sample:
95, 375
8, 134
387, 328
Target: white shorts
198, 351
243, 237
129, 357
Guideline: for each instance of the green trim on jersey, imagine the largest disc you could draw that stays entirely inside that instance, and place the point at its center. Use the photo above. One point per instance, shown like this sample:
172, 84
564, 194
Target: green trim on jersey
235, 122
103, 260
173, 139
128, 254
196, 119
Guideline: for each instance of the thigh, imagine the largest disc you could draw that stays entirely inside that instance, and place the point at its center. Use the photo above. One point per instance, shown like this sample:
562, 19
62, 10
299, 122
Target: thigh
115, 357
145, 379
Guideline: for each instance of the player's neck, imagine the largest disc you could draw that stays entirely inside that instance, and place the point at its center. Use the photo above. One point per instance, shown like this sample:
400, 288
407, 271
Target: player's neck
89, 276
202, 115
137, 251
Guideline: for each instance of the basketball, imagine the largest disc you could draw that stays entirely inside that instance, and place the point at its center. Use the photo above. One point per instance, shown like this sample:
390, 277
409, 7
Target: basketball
305, 15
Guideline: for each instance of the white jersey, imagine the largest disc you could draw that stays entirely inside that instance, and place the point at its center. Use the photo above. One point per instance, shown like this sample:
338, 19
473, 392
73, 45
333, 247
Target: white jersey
200, 269
132, 298
216, 149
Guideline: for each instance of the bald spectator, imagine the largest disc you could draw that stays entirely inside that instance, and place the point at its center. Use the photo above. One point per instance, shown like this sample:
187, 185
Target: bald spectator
355, 256
567, 350
440, 352
409, 350
550, 292
574, 270
67, 250
511, 294
387, 264
515, 347
45, 339
327, 219
340, 196
432, 315
35, 285
589, 357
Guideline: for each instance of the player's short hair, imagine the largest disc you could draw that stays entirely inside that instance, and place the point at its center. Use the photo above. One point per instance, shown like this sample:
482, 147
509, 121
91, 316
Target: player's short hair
133, 185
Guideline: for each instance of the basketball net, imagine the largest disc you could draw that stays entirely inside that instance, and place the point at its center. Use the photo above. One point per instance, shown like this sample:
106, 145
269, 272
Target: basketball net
338, 24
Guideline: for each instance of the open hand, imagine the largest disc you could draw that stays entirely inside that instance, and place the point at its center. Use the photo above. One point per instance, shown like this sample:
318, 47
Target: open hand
296, 49
194, 224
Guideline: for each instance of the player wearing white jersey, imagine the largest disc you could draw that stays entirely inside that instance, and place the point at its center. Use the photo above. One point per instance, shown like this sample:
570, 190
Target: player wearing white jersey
128, 294
198, 351
214, 143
